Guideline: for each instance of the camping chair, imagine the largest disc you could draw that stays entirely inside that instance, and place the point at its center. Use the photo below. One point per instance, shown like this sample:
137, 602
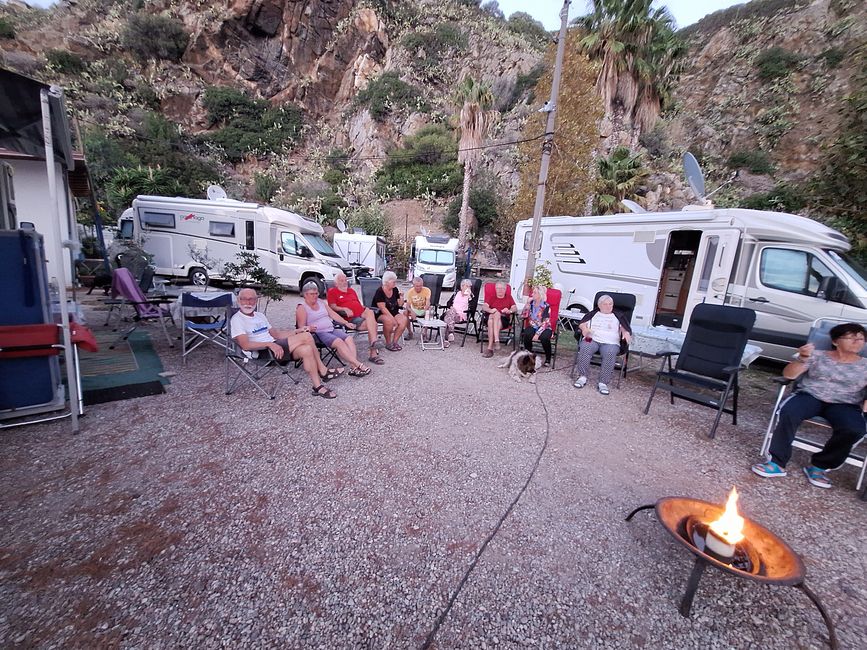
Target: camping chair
554, 298
255, 367
434, 282
368, 289
625, 304
709, 360
146, 309
205, 329
820, 337
509, 332
472, 313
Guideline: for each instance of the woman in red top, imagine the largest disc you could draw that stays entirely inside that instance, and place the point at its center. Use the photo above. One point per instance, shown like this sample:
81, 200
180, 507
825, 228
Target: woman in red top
343, 299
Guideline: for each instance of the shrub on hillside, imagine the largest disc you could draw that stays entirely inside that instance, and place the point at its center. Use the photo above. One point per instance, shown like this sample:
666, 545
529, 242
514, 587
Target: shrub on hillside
523, 88
429, 47
783, 198
369, 218
149, 36
7, 29
65, 62
485, 204
224, 105
265, 187
755, 162
523, 24
833, 56
426, 163
776, 62
387, 93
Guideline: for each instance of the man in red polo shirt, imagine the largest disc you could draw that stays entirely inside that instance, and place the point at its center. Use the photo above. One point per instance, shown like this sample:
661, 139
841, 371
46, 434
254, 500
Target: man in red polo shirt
343, 299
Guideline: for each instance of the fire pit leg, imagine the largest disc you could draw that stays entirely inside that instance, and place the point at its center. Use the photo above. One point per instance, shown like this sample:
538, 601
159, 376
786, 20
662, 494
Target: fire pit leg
639, 509
832, 635
692, 586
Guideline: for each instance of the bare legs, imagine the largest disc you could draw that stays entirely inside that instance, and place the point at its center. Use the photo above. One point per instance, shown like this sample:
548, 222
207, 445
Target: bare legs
495, 324
347, 352
370, 324
392, 327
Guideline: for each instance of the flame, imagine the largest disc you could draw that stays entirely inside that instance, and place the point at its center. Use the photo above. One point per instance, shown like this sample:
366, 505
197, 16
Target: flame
730, 525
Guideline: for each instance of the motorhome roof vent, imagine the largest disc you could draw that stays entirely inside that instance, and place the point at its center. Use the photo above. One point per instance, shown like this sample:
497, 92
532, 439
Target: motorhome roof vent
438, 239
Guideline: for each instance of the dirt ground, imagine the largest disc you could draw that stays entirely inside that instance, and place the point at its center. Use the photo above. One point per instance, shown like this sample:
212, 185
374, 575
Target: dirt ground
197, 519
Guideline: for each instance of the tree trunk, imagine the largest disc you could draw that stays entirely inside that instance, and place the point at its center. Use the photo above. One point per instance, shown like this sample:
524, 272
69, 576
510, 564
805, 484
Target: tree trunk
465, 206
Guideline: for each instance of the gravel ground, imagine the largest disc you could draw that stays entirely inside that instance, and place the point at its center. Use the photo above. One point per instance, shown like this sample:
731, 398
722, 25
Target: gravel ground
203, 520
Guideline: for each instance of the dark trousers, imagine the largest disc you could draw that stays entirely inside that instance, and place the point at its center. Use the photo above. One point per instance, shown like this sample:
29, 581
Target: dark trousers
847, 423
544, 338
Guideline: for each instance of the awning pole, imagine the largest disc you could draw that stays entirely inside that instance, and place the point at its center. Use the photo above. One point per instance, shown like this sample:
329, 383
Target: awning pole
57, 254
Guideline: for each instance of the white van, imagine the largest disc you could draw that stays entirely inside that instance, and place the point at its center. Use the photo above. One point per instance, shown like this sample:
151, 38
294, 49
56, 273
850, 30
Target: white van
177, 230
789, 269
435, 254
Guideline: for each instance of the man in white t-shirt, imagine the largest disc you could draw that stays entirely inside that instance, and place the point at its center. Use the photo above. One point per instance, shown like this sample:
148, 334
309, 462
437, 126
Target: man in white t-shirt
602, 330
252, 332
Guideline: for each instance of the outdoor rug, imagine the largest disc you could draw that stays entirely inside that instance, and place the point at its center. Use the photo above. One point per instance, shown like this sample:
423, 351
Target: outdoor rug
130, 370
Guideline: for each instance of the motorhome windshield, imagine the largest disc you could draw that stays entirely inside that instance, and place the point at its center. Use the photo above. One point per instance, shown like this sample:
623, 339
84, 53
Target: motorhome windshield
321, 246
853, 268
442, 258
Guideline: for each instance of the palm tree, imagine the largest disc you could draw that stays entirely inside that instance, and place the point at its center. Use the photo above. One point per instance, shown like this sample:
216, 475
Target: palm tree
474, 99
640, 57
620, 174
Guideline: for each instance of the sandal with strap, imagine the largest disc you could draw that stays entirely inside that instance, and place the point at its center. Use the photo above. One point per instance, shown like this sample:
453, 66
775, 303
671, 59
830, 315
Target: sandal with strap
377, 360
359, 371
332, 373
768, 470
394, 347
323, 391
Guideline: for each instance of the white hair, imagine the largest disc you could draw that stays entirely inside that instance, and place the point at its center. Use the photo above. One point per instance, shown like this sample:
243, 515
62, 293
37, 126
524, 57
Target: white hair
310, 286
604, 298
388, 276
466, 282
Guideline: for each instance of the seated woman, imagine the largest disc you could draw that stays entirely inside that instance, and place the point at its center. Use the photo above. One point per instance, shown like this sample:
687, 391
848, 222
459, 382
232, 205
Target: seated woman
417, 303
834, 386
387, 299
457, 313
537, 315
315, 314
601, 331
499, 309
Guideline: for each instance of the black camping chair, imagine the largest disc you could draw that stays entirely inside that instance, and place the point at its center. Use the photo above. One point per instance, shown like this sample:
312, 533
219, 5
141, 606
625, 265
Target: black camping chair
472, 313
625, 304
368, 289
253, 366
708, 364
324, 287
808, 439
434, 282
207, 328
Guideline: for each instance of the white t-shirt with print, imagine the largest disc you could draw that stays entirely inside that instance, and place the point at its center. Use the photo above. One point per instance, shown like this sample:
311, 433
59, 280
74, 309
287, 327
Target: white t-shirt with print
256, 327
605, 328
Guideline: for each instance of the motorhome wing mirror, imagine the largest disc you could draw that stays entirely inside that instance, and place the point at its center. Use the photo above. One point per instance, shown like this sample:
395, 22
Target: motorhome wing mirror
303, 251
829, 288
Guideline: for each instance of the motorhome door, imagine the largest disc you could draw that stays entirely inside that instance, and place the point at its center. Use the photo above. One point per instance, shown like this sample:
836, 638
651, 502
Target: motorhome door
289, 261
716, 255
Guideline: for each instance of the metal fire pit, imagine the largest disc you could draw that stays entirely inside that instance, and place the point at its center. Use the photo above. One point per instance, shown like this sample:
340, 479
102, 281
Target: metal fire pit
761, 556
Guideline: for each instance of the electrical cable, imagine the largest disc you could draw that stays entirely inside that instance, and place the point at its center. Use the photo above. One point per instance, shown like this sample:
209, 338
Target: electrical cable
442, 617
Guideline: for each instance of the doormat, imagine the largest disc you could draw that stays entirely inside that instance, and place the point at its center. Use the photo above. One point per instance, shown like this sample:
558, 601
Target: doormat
130, 370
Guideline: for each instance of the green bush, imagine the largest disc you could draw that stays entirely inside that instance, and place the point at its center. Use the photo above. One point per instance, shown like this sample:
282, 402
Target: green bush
525, 85
426, 163
776, 62
485, 203
225, 105
832, 57
265, 187
371, 219
149, 36
523, 24
387, 93
429, 47
755, 162
783, 198
65, 62
7, 29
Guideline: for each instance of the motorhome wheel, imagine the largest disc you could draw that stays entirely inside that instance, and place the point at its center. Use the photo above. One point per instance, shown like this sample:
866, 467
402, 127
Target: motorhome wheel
199, 276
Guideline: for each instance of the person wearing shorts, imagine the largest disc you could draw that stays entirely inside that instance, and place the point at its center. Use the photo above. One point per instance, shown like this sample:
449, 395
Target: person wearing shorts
343, 299
417, 302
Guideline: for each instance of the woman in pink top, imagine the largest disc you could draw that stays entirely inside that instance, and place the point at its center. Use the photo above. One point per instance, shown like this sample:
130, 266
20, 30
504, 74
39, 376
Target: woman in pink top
457, 313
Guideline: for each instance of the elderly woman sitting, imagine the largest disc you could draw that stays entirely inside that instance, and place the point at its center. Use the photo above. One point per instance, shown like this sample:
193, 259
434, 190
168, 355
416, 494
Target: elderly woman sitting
601, 331
537, 315
457, 313
315, 314
387, 298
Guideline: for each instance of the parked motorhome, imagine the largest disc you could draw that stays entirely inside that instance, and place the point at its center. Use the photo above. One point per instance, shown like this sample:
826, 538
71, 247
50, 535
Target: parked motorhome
184, 234
789, 269
362, 250
435, 254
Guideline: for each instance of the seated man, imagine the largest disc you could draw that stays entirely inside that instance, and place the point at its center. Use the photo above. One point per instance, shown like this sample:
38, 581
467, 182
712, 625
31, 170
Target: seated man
343, 299
252, 332
417, 302
499, 309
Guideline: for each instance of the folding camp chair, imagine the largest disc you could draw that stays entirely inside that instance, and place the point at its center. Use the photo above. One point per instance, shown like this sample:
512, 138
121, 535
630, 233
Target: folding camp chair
625, 304
509, 332
255, 367
809, 439
554, 298
473, 314
709, 360
368, 289
210, 328
147, 310
434, 282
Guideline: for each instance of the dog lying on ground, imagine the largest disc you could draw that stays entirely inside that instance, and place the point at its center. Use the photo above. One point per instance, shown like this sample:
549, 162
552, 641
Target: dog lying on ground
522, 364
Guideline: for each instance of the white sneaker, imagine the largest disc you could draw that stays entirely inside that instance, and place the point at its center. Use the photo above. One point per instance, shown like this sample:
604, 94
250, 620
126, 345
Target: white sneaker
580, 382
451, 338
602, 388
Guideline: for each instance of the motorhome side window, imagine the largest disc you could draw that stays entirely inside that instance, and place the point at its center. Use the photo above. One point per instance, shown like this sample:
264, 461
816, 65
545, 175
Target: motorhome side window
527, 241
789, 270
157, 219
221, 229
290, 244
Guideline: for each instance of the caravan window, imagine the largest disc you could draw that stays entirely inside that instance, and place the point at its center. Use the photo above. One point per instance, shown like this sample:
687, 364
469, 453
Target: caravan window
527, 241
709, 257
790, 270
221, 229
126, 229
157, 219
290, 244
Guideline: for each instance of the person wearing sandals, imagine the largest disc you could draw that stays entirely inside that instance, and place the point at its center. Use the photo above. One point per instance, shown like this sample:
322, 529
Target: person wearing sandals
833, 385
537, 314
252, 332
343, 299
387, 299
499, 312
457, 313
601, 331
417, 303
315, 314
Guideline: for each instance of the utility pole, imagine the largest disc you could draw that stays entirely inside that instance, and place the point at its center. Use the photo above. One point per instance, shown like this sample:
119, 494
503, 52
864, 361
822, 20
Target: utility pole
547, 145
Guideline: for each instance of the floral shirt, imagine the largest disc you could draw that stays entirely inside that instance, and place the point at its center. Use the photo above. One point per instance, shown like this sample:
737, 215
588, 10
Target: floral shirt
834, 382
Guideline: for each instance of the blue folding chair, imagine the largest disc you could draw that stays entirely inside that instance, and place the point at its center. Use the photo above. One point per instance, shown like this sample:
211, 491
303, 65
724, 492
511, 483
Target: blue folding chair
204, 321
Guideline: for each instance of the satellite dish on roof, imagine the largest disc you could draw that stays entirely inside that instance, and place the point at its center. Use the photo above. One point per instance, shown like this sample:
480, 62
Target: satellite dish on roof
632, 206
216, 193
693, 174
341, 225
423, 231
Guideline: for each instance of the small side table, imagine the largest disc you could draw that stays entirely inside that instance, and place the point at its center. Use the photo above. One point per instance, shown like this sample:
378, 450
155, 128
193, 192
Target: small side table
431, 325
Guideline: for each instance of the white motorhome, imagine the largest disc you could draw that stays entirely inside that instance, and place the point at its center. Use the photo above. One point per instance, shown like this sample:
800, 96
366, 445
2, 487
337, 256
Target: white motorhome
362, 250
435, 254
789, 269
177, 230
